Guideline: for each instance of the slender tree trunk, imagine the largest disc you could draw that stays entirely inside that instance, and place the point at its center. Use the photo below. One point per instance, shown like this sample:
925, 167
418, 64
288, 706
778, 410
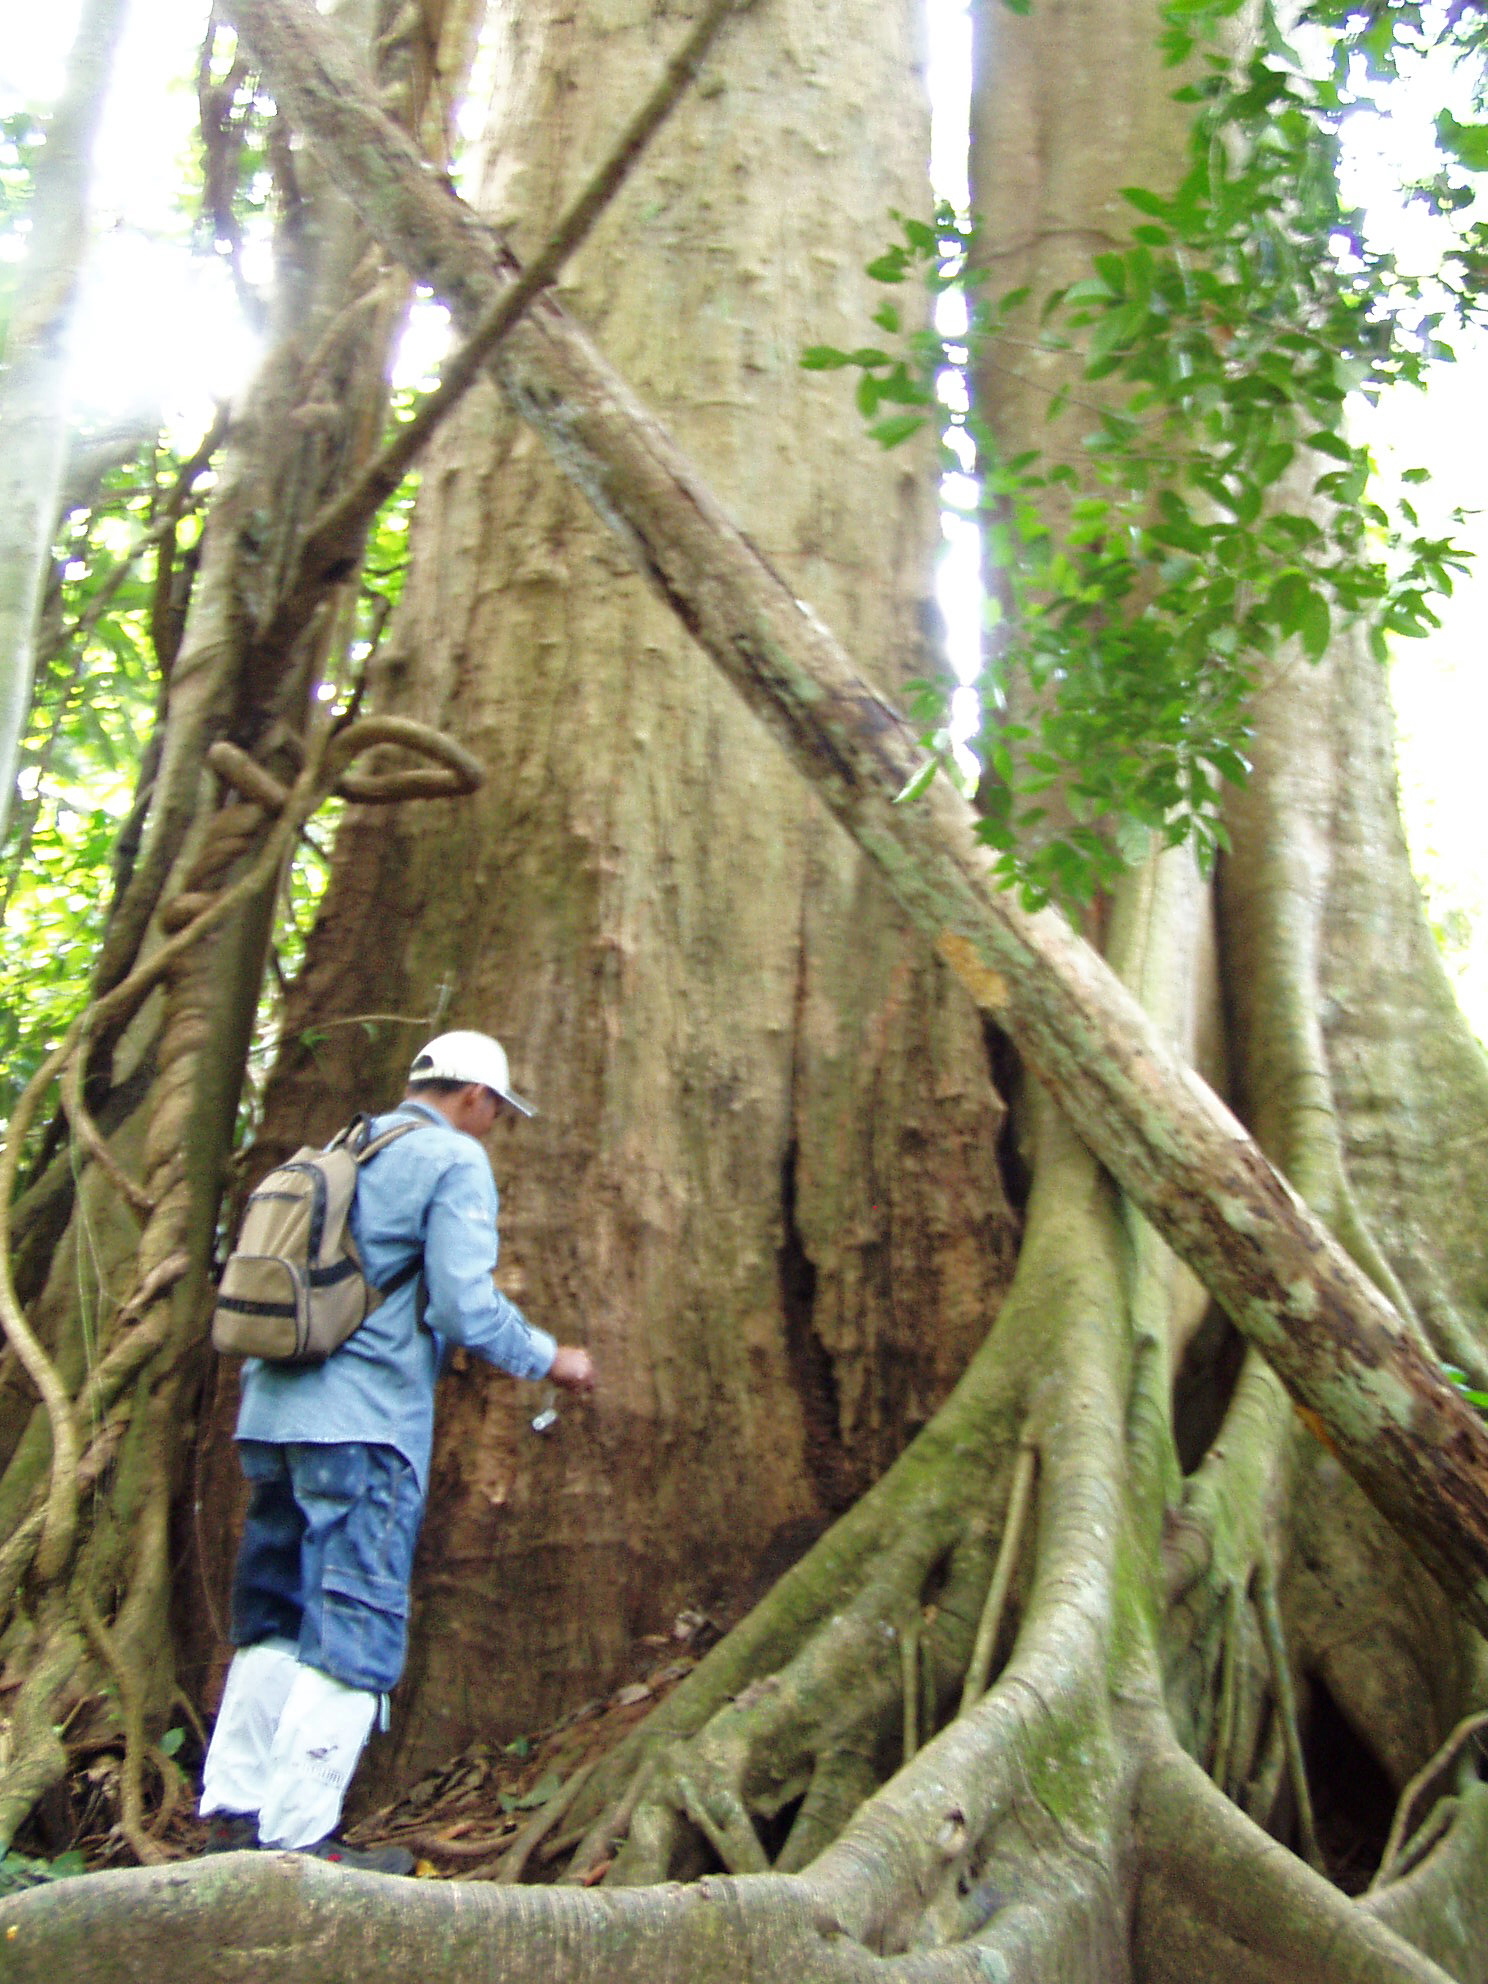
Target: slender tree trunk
33, 382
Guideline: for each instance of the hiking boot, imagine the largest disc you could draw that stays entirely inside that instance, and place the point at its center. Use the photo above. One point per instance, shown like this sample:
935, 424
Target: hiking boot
231, 1832
367, 1859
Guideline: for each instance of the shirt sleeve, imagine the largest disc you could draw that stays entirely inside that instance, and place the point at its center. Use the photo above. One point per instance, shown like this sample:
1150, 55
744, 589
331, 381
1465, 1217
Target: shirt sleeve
465, 1305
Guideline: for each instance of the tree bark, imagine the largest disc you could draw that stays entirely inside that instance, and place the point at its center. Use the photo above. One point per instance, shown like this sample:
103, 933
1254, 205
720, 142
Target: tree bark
1337, 1344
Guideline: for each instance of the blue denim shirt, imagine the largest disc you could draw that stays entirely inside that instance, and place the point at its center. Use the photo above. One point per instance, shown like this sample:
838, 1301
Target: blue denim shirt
432, 1190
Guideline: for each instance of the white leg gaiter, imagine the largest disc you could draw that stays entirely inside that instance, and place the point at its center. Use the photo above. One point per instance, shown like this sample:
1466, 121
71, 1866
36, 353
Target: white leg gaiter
322, 1729
258, 1684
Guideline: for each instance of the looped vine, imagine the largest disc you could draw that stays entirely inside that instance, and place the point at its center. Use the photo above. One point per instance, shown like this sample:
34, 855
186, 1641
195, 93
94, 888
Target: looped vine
326, 758
218, 884
452, 771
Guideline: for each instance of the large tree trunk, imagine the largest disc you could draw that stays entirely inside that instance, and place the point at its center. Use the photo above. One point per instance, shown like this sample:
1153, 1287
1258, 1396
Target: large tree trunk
1061, 1825
763, 1185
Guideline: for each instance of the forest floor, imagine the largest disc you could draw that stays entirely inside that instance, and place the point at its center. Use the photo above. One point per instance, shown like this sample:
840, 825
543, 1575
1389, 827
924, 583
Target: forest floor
460, 1821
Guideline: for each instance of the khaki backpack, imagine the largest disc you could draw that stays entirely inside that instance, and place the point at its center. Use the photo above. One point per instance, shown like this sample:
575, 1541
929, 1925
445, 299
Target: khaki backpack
293, 1289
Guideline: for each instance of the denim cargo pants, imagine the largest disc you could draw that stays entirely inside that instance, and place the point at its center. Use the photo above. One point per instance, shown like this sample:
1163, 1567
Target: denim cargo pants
327, 1555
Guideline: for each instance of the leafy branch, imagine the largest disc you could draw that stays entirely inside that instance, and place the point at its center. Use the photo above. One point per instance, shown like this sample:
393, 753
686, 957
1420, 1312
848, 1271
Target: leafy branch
1214, 509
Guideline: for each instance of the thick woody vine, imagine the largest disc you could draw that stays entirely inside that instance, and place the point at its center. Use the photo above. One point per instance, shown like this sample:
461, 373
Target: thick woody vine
256, 832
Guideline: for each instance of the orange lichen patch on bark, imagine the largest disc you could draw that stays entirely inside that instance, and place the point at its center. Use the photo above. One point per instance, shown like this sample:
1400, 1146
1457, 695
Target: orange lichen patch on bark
986, 986
1315, 1426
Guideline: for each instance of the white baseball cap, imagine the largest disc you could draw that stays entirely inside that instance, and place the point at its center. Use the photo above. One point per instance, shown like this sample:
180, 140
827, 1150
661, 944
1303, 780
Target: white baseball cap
468, 1057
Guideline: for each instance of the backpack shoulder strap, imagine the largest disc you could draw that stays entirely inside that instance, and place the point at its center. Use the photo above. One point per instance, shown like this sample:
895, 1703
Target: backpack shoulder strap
352, 1136
370, 1146
369, 1149
402, 1278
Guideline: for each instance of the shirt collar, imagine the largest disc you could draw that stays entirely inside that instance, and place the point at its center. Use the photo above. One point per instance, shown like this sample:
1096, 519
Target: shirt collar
411, 1105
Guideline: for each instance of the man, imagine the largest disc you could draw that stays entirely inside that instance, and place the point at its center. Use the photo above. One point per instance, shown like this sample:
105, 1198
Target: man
338, 1457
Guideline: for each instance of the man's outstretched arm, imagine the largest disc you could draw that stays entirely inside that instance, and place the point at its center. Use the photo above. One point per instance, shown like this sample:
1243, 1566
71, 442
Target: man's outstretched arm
465, 1305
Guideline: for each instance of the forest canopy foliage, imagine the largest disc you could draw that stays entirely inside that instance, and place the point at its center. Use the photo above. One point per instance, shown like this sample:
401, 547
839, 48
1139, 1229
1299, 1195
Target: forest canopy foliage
112, 619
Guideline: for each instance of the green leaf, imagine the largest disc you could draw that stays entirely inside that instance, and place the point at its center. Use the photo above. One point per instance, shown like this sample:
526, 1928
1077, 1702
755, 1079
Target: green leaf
1324, 443
1316, 625
890, 267
1460, 1382
1145, 201
901, 390
898, 427
997, 547
172, 1740
919, 784
1115, 330
1112, 271
1229, 764
823, 358
1288, 602
1245, 500
19, 1871
545, 1788
1133, 841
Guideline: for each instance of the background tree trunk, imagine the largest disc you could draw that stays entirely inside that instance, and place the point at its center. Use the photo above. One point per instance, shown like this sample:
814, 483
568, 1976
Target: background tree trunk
764, 1183
33, 381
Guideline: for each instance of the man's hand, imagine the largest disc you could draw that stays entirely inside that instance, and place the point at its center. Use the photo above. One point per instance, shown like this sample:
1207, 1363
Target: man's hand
573, 1369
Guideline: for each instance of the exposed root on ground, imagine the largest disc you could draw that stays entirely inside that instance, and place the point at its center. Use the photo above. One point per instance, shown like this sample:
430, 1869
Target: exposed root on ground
1216, 1896
845, 1789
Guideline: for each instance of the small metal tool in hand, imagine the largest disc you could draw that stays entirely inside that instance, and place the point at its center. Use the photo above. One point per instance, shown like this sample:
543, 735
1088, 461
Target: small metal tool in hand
548, 1416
